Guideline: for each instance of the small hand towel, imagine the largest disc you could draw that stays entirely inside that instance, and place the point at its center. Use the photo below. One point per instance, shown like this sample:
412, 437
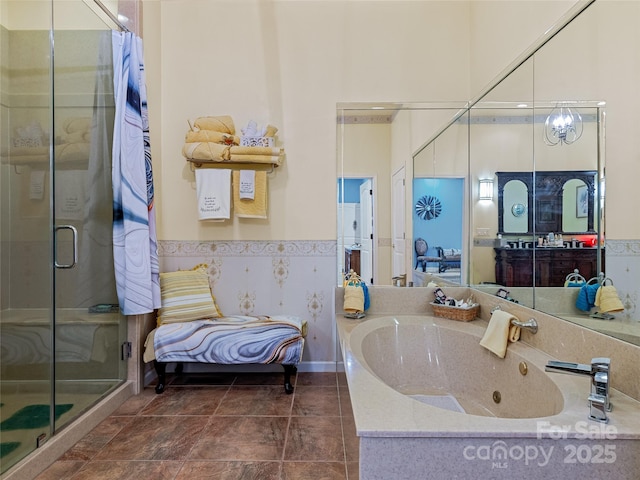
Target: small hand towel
213, 191
499, 333
608, 300
247, 187
353, 299
256, 208
587, 296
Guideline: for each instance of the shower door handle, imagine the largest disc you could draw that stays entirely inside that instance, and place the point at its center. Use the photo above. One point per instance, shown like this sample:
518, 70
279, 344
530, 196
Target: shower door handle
74, 235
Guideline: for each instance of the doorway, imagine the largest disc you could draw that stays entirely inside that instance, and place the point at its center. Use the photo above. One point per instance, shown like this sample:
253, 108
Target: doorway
438, 218
356, 227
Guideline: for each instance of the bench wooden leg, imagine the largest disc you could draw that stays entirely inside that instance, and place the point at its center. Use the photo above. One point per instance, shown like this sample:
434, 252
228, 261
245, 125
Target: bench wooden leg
288, 371
161, 369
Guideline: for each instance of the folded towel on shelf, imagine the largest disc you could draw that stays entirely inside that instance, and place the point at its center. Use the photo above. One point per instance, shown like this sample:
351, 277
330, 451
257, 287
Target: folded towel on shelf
213, 191
499, 333
206, 151
256, 158
247, 187
270, 131
586, 299
77, 124
76, 137
222, 123
353, 299
608, 300
193, 136
246, 208
242, 150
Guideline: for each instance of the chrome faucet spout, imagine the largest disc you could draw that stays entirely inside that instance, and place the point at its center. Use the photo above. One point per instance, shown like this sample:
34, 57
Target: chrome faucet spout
568, 367
600, 373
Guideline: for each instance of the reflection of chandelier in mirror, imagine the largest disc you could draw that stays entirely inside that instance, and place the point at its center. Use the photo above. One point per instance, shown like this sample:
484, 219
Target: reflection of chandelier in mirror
563, 125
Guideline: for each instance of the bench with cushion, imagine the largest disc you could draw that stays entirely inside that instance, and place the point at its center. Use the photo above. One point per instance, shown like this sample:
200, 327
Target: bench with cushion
191, 328
449, 258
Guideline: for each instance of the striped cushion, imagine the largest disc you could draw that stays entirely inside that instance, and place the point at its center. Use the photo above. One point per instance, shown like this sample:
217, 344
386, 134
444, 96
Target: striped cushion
186, 296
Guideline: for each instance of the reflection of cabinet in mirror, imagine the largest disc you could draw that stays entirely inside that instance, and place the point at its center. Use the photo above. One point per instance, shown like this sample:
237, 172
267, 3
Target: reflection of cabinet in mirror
564, 202
552, 265
351, 260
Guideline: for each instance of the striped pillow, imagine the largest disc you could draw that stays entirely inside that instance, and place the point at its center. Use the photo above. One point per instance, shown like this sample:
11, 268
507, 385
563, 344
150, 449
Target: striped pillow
186, 296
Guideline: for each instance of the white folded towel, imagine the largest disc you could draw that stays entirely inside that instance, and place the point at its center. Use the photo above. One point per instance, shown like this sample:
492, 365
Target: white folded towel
247, 187
213, 190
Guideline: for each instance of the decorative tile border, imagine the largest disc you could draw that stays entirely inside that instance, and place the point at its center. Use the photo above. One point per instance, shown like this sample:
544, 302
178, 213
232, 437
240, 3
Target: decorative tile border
225, 248
622, 247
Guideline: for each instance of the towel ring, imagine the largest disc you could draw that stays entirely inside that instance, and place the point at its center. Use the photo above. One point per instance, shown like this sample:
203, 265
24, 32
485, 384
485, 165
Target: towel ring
575, 277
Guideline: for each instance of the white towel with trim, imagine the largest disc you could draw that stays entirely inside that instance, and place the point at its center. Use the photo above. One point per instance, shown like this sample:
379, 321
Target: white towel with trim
213, 189
247, 187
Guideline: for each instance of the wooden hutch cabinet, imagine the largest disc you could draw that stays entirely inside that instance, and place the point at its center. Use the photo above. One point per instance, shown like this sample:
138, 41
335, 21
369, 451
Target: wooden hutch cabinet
552, 265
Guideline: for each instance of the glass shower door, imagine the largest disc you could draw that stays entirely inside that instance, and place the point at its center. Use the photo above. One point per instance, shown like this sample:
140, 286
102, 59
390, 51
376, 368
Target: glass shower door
89, 329
26, 282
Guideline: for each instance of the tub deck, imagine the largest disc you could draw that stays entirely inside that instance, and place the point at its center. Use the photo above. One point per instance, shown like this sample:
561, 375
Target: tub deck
404, 438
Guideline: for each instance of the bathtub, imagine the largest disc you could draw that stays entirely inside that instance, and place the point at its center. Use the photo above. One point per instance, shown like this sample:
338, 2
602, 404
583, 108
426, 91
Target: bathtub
430, 402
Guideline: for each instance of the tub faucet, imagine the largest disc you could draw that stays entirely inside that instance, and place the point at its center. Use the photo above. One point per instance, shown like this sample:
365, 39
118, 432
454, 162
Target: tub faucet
600, 373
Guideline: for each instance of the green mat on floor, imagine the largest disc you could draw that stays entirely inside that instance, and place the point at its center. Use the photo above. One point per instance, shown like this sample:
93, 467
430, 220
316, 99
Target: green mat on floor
33, 416
8, 447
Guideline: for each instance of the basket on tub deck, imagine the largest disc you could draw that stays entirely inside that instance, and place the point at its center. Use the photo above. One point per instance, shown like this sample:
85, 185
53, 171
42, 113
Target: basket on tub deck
463, 314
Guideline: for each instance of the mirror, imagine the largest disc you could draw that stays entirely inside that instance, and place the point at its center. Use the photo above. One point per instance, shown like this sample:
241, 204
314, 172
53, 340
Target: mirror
502, 130
376, 142
565, 202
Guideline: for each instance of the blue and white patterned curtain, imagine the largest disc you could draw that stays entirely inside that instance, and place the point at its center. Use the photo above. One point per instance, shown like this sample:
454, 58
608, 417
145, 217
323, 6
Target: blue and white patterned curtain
135, 248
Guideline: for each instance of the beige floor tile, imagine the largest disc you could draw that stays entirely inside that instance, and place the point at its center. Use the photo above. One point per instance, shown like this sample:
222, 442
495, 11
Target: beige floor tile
210, 470
319, 401
260, 400
61, 469
313, 471
315, 439
317, 379
96, 439
186, 401
128, 470
247, 438
155, 438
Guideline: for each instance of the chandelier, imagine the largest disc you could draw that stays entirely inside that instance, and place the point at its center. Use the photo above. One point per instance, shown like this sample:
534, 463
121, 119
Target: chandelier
563, 125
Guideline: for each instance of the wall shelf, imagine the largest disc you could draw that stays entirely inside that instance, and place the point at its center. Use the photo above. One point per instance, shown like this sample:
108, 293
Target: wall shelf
235, 164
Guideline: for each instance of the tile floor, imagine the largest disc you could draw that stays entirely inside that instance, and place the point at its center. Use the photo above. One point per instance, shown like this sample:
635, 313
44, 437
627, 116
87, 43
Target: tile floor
223, 426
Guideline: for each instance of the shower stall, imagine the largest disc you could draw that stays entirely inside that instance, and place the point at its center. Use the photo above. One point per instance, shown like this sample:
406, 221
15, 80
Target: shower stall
62, 335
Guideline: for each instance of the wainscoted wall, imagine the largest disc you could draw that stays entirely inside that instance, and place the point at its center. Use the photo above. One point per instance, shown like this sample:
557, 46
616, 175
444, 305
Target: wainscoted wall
269, 277
623, 268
